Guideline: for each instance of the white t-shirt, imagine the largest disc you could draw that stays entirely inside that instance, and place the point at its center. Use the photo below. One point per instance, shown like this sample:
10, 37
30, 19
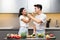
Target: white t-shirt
23, 24
41, 17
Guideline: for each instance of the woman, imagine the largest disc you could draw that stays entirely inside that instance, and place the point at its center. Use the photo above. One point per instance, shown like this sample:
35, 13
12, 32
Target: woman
24, 20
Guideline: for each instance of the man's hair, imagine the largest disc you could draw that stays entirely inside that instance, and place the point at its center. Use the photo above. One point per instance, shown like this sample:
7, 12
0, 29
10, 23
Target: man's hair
38, 6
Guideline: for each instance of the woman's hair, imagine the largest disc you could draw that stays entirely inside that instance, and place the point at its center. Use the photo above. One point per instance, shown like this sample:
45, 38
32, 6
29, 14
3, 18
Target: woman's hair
20, 11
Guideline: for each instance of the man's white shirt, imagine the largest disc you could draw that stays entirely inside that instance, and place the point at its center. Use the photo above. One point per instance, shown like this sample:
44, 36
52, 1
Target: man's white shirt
41, 17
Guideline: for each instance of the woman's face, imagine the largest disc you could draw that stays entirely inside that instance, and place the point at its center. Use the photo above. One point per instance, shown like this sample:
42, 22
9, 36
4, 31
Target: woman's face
24, 12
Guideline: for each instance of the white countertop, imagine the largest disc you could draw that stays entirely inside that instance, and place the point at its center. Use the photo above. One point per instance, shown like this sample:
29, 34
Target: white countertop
10, 27
53, 28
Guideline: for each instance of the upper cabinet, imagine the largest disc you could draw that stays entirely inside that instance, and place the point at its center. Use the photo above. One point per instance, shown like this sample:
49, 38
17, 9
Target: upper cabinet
54, 5
48, 5
44, 3
8, 6
13, 6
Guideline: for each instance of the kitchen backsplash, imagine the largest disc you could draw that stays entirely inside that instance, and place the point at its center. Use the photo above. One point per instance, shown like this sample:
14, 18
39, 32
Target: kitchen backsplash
54, 17
11, 21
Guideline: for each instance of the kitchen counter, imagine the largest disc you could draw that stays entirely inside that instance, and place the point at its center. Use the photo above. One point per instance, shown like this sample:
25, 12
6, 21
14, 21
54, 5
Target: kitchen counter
4, 32
27, 39
53, 28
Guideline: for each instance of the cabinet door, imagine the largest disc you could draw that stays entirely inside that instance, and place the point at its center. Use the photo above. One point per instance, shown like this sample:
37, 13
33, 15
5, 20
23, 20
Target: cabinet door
12, 6
44, 3
48, 5
21, 3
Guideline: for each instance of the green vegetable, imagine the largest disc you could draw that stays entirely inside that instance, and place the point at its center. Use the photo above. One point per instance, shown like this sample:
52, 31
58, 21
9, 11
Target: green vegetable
33, 34
40, 35
23, 35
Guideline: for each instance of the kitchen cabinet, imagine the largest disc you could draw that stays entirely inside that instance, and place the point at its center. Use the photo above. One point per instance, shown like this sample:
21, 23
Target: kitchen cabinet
51, 6
44, 3
8, 6
13, 6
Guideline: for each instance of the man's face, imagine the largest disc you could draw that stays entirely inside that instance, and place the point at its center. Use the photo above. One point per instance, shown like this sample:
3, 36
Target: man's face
37, 9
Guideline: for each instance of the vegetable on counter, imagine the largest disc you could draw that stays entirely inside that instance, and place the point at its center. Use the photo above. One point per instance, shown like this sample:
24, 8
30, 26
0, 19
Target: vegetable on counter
50, 36
16, 36
40, 35
23, 35
32, 36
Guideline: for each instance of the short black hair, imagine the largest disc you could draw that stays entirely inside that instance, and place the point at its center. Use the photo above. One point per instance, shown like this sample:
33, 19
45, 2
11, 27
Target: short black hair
38, 6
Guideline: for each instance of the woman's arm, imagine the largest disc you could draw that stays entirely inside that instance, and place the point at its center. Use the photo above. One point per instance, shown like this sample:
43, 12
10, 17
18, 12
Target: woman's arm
26, 20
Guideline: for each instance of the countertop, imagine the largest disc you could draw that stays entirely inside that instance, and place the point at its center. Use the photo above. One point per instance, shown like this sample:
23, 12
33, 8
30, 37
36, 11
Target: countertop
53, 28
27, 39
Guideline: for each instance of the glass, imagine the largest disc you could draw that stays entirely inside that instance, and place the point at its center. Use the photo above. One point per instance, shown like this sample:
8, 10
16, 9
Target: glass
30, 31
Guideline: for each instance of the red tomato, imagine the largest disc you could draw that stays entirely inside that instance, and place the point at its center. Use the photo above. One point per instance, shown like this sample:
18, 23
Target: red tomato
51, 35
47, 38
17, 37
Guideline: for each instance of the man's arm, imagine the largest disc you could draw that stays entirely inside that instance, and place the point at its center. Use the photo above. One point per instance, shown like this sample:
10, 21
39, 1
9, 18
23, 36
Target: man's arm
36, 20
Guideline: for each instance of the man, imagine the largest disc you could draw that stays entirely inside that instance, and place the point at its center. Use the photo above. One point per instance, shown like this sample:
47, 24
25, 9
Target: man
40, 18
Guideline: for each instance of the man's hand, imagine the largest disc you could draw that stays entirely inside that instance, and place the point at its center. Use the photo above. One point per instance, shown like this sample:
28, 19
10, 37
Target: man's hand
29, 15
36, 20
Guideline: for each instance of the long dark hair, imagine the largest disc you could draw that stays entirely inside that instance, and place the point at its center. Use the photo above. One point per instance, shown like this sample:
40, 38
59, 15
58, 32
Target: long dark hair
20, 11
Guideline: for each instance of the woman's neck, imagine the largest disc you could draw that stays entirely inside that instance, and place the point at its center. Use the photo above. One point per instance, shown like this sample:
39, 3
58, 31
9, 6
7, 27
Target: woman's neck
24, 15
